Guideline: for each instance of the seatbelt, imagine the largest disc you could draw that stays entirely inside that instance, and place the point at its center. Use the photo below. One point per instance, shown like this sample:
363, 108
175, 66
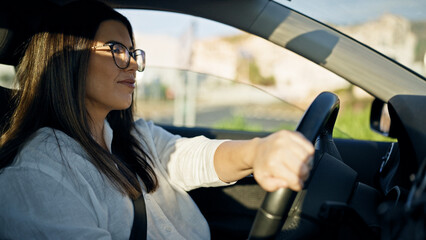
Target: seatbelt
139, 228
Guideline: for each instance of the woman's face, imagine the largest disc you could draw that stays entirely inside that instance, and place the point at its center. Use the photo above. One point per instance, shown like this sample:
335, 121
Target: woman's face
109, 87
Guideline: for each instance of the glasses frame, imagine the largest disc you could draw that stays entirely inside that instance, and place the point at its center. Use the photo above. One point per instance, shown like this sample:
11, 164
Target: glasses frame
133, 54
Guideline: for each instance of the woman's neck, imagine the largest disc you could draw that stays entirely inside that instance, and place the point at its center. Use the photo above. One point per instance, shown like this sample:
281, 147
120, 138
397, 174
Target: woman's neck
97, 118
97, 125
97, 131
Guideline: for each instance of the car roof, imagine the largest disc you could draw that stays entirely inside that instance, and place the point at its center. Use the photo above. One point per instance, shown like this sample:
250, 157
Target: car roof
359, 64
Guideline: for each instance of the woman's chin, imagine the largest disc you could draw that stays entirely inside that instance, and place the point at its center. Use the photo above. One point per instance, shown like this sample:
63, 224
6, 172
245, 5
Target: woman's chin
124, 106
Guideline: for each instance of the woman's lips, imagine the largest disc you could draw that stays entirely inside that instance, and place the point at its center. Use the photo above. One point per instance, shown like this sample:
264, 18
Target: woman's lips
128, 82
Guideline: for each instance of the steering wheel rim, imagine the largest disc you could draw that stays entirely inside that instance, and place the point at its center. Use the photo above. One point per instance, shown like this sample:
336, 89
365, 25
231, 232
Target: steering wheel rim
270, 217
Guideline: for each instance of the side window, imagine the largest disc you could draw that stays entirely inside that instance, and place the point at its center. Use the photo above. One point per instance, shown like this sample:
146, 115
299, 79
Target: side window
202, 73
7, 76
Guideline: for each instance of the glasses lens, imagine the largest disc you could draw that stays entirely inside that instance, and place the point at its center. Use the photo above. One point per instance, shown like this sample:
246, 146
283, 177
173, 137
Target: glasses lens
140, 59
121, 55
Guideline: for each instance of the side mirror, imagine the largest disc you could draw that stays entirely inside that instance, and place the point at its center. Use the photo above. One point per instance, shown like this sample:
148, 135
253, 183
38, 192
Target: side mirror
380, 119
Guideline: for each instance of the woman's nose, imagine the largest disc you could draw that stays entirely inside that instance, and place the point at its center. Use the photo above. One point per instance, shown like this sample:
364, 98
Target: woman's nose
133, 65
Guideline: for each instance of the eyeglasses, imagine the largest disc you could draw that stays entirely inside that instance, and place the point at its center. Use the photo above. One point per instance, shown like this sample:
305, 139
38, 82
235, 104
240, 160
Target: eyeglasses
122, 54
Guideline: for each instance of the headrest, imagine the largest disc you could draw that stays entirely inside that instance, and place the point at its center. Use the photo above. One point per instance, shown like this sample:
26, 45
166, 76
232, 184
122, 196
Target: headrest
7, 38
18, 22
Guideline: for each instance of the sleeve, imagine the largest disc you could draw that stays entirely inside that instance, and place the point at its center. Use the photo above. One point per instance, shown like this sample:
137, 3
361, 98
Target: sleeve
41, 207
191, 163
187, 161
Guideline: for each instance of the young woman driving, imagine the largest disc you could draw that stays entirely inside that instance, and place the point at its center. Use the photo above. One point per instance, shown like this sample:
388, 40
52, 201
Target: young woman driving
74, 157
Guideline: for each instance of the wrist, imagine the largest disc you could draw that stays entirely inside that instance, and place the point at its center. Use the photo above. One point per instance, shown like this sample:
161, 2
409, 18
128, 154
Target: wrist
251, 153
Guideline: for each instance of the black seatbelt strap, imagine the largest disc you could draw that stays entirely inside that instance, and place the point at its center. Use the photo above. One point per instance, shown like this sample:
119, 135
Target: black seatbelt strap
139, 228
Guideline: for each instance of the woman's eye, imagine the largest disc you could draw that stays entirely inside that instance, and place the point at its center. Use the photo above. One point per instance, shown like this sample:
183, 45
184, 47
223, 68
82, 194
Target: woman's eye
117, 50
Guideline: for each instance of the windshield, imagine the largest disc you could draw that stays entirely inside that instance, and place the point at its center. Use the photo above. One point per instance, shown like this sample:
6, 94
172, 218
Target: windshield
202, 73
395, 28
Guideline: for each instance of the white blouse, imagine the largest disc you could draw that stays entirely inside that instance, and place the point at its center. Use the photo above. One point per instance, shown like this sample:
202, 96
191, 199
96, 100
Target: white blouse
51, 191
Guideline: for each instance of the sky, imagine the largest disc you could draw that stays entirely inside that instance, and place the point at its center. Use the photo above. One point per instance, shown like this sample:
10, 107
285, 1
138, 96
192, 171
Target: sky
157, 22
338, 12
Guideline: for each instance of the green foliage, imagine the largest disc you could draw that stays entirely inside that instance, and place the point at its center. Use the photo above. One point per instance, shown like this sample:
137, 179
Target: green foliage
420, 50
419, 29
257, 78
249, 70
286, 126
354, 122
237, 122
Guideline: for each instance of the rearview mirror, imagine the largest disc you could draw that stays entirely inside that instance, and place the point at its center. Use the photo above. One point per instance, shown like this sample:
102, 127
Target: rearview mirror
379, 118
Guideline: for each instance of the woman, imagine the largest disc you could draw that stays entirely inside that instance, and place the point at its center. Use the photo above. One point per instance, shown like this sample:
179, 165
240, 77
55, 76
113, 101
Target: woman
73, 157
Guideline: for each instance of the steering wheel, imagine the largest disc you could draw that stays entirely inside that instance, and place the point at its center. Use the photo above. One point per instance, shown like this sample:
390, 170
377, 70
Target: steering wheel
274, 210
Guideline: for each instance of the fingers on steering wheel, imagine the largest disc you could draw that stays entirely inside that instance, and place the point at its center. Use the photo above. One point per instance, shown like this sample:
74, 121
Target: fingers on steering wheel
303, 142
298, 162
272, 184
288, 177
298, 166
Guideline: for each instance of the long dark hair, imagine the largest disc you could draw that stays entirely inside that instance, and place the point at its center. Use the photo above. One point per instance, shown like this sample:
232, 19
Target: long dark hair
52, 80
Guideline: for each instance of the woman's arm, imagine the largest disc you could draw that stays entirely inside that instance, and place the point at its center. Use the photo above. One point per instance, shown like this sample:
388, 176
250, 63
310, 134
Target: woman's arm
282, 159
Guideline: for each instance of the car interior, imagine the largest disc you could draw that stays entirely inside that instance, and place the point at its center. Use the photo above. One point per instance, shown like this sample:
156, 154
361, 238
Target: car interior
357, 188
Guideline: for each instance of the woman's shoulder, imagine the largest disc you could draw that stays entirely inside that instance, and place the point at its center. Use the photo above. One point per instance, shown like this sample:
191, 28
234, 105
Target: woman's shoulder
141, 124
51, 176
149, 128
49, 148
48, 134
50, 141
143, 129
50, 153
